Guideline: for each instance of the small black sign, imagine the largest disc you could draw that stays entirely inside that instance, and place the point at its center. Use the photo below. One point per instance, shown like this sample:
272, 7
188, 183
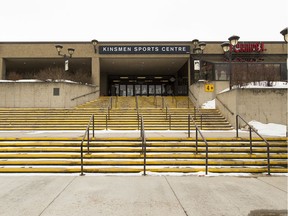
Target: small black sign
144, 49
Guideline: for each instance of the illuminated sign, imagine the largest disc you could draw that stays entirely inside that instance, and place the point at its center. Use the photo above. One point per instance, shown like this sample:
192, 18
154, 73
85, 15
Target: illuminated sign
144, 49
249, 47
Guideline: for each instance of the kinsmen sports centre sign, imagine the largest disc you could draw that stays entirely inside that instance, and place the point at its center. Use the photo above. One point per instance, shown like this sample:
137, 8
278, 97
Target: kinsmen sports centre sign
144, 49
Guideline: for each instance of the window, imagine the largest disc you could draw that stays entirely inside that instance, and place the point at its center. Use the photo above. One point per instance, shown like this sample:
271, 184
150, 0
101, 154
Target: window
56, 91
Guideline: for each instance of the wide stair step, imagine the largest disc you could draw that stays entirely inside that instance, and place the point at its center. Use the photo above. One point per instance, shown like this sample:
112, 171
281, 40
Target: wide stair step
114, 155
122, 116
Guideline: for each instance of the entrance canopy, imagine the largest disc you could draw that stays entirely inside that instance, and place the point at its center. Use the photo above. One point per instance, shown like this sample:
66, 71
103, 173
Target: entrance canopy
141, 66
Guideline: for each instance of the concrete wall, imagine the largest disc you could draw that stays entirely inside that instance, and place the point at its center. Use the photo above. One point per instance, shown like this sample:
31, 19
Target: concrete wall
198, 90
263, 105
40, 94
227, 104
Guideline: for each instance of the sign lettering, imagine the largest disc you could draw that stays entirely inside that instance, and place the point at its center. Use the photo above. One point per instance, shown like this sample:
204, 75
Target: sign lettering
248, 47
144, 49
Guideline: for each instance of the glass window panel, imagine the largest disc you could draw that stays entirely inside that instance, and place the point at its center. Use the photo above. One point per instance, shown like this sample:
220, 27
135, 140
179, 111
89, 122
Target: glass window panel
144, 89
130, 90
122, 90
151, 89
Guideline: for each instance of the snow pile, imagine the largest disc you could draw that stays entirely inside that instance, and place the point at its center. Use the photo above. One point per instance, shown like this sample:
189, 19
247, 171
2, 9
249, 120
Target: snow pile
209, 105
264, 84
261, 84
36, 80
269, 129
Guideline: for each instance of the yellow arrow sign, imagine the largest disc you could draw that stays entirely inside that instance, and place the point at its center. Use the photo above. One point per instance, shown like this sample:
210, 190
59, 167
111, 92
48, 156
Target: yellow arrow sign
209, 88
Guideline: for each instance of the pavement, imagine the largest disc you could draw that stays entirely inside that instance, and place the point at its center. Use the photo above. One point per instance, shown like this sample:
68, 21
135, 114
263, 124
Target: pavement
48, 195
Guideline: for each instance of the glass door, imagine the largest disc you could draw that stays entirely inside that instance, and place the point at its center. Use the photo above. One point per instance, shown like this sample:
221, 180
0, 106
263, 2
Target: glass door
151, 89
158, 89
122, 90
144, 90
137, 89
130, 90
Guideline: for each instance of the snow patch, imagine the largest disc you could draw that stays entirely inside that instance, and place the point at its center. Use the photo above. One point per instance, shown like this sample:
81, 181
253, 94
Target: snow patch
209, 104
260, 84
269, 129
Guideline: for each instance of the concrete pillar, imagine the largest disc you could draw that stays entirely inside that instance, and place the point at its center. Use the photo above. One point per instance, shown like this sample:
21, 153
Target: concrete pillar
2, 69
95, 71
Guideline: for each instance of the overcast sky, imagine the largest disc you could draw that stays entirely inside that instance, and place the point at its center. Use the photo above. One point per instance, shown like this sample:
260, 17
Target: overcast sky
142, 20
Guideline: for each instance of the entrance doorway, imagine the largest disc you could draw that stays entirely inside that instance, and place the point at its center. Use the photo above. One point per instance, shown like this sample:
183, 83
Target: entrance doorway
144, 76
140, 89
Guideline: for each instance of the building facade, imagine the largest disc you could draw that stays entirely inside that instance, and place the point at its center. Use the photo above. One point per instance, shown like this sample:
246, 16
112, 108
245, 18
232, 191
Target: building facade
143, 68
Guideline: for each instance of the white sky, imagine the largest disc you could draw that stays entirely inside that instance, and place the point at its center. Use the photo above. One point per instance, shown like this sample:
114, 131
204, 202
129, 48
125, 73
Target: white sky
142, 20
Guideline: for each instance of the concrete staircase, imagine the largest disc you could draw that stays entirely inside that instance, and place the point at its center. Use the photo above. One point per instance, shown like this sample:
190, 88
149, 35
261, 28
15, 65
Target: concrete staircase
124, 155
123, 115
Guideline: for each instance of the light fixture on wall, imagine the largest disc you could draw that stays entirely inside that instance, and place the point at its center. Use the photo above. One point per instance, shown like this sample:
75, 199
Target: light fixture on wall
284, 32
59, 50
228, 48
94, 43
66, 56
198, 46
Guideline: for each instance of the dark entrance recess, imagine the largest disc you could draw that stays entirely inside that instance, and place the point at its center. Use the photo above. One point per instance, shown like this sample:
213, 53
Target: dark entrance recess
144, 76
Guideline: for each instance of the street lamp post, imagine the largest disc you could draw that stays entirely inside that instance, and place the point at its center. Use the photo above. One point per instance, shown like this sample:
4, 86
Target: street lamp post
66, 57
228, 48
198, 51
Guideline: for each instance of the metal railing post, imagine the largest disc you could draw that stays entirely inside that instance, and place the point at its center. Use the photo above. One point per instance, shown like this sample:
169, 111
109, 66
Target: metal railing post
201, 121
189, 126
143, 138
196, 140
87, 132
138, 126
169, 121
250, 136
251, 146
206, 161
196, 145
237, 135
166, 112
144, 158
106, 122
93, 126
82, 158
268, 159
88, 143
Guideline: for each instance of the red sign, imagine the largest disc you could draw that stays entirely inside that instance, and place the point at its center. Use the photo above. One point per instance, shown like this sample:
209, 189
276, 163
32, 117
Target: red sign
248, 47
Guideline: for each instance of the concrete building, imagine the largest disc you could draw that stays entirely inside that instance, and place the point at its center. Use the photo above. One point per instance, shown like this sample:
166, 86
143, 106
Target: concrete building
144, 68
199, 70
